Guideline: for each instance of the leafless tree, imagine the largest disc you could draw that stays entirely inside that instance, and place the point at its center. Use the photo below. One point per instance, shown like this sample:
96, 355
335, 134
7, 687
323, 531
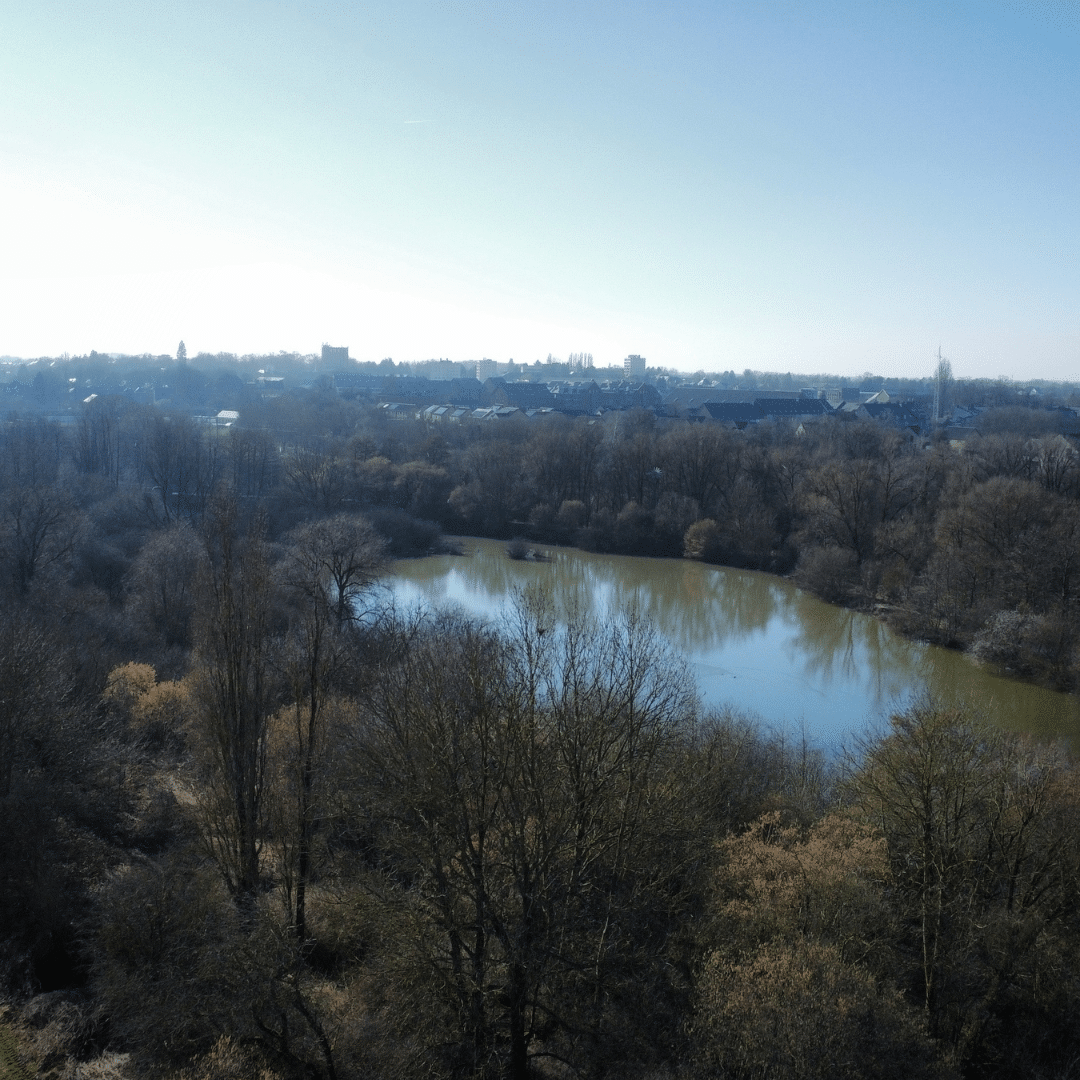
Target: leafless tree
181, 464
980, 831
523, 785
333, 561
163, 581
233, 670
38, 530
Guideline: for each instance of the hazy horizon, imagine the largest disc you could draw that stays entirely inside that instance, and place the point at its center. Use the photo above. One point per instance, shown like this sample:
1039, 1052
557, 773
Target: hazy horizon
798, 378
836, 186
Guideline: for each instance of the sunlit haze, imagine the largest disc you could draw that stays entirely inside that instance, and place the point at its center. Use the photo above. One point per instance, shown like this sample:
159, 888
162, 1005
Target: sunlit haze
807, 186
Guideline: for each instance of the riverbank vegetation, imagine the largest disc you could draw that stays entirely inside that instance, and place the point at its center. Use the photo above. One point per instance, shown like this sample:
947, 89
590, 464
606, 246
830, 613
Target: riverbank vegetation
970, 543
255, 826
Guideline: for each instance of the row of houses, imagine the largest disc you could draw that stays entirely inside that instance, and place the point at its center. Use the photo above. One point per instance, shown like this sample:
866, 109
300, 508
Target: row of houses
579, 398
729, 415
457, 414
454, 400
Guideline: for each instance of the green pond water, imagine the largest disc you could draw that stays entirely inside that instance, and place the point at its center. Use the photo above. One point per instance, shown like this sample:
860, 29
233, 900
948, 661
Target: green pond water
752, 641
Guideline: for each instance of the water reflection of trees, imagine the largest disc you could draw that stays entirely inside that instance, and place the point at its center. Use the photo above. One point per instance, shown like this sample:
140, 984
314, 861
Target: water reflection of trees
713, 607
700, 608
425, 572
704, 610
839, 644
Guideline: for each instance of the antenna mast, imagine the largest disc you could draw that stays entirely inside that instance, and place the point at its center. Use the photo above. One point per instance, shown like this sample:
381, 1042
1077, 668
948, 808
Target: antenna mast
937, 387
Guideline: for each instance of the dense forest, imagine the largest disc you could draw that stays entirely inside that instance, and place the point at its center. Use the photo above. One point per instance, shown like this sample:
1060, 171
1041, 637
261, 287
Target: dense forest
255, 826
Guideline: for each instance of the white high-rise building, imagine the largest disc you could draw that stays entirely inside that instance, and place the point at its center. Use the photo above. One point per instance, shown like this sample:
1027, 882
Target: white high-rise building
486, 369
634, 367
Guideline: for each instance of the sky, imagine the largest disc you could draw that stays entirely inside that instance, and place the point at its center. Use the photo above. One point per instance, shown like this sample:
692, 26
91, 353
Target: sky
832, 186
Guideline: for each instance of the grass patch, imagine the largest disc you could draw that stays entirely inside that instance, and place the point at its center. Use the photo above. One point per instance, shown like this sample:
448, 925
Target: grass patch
11, 1066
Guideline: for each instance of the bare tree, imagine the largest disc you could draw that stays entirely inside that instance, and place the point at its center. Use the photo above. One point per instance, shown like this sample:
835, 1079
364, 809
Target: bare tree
326, 568
181, 465
333, 561
38, 530
162, 582
980, 832
33, 688
31, 452
943, 378
522, 778
98, 440
316, 475
252, 463
234, 686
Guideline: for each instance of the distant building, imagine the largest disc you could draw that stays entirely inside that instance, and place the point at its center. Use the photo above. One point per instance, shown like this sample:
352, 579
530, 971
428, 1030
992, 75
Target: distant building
496, 412
445, 414
399, 410
624, 395
440, 369
577, 398
335, 354
518, 394
465, 392
356, 382
226, 418
838, 395
892, 413
792, 409
486, 369
634, 367
737, 414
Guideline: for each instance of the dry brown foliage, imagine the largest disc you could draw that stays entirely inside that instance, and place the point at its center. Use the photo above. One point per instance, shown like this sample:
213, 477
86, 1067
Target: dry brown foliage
822, 882
797, 1011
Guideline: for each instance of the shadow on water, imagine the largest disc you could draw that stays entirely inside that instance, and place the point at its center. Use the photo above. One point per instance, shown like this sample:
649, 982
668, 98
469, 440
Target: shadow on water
752, 641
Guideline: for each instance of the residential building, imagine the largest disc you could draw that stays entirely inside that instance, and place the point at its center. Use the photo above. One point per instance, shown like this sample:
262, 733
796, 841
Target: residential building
334, 354
486, 369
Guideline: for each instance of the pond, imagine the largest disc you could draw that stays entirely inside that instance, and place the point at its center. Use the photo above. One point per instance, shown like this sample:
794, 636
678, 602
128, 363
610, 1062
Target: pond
753, 641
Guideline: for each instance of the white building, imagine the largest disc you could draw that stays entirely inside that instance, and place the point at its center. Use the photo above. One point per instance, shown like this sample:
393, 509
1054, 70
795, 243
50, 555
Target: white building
634, 367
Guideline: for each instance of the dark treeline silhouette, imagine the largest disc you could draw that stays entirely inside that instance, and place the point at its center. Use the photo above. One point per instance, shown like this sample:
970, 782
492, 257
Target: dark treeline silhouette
252, 824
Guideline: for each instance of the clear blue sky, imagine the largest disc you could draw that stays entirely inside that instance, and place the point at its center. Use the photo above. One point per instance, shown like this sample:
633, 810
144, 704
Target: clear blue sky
807, 186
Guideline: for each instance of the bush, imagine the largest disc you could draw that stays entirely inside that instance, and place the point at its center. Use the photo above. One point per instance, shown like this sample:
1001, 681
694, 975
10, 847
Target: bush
518, 548
1033, 646
999, 641
830, 572
703, 540
798, 1011
407, 536
571, 515
164, 959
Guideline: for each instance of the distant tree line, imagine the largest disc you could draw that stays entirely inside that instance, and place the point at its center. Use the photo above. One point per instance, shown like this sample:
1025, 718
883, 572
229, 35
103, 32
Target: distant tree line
972, 546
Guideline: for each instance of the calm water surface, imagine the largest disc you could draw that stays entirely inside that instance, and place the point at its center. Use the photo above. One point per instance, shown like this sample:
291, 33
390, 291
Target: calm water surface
752, 641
